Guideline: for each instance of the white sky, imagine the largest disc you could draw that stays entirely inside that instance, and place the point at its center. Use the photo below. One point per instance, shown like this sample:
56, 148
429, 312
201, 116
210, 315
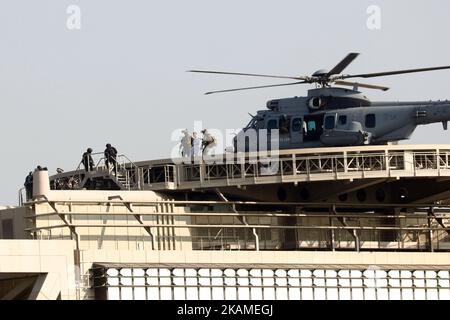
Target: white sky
121, 78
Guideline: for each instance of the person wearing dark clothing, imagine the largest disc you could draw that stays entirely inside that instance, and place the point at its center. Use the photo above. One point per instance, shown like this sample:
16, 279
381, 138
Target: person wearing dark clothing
88, 163
29, 185
111, 158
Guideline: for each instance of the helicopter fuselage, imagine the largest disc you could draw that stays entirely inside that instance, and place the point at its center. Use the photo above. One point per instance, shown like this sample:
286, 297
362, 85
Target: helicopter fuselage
342, 117
333, 116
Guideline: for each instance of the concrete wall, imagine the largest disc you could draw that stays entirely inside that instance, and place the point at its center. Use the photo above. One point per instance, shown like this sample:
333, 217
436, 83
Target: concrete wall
53, 260
13, 223
127, 243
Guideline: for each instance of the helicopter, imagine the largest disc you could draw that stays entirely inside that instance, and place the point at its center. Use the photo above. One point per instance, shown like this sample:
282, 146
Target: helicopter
337, 116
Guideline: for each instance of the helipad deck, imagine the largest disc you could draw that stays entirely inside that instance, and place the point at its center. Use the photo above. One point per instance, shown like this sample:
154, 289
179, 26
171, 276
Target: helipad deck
289, 166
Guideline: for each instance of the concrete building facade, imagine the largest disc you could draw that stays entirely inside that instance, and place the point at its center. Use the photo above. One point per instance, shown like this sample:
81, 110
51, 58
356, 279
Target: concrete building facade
143, 244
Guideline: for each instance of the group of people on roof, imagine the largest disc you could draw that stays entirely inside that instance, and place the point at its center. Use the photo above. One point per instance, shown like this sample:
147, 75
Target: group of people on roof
193, 146
110, 154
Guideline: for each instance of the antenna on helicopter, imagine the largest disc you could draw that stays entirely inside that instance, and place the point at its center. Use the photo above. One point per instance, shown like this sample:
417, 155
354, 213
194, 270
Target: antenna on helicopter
322, 77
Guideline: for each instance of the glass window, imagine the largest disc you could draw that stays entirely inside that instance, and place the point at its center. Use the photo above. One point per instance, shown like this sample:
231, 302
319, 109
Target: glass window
329, 122
342, 120
370, 120
297, 124
311, 125
272, 124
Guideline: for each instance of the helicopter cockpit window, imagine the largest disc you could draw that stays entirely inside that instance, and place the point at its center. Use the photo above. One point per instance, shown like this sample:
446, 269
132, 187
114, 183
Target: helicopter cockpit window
330, 122
342, 120
296, 124
370, 120
272, 124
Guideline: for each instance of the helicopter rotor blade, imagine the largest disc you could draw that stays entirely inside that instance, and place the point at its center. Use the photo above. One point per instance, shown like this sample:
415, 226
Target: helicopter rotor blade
362, 85
390, 73
257, 87
250, 74
343, 64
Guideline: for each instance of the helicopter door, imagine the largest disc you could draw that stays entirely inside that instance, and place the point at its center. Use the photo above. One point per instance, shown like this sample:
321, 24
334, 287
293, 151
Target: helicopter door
313, 127
296, 130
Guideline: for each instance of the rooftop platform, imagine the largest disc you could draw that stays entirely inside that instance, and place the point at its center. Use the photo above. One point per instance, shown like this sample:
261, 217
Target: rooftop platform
343, 169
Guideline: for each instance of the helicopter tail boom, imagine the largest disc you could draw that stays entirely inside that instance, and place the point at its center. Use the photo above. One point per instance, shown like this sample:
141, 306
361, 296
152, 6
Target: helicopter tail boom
433, 113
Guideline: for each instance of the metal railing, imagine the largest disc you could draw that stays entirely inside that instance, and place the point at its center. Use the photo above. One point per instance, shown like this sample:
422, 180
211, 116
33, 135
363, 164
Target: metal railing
131, 172
21, 196
330, 166
418, 228
295, 166
127, 174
